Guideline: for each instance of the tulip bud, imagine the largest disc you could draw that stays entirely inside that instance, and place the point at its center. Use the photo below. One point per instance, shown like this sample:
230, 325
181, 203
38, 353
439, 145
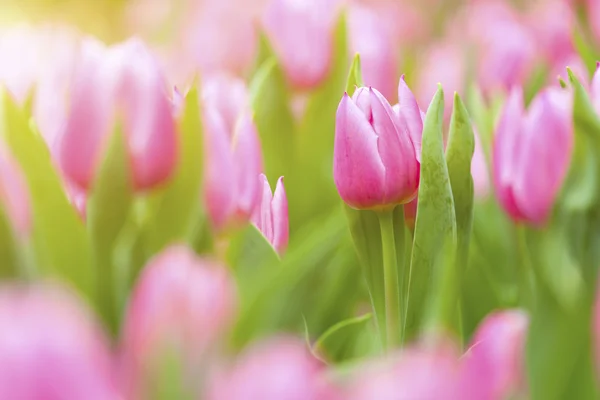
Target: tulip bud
494, 366
595, 88
51, 348
179, 307
419, 372
375, 164
276, 369
532, 153
119, 85
271, 215
301, 33
14, 195
233, 163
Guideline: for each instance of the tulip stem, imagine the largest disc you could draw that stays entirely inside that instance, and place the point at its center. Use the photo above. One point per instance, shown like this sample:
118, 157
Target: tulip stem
390, 277
524, 284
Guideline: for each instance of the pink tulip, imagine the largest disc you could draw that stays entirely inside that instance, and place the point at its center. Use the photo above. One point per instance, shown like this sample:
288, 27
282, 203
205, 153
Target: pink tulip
180, 306
552, 22
531, 154
271, 216
51, 348
121, 85
419, 372
233, 163
301, 32
452, 73
280, 368
228, 95
14, 194
593, 13
375, 164
494, 365
379, 54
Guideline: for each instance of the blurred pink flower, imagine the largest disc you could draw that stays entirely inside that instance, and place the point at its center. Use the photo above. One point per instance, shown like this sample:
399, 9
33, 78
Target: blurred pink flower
121, 82
228, 95
422, 371
271, 215
373, 38
14, 194
552, 23
452, 73
233, 163
593, 13
527, 143
280, 368
480, 171
301, 33
51, 348
493, 368
180, 306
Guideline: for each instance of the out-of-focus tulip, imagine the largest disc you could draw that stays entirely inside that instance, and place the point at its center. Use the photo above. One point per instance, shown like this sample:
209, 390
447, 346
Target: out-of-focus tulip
271, 215
493, 368
451, 74
379, 54
51, 348
119, 85
593, 13
228, 95
301, 32
532, 152
424, 373
279, 368
375, 165
480, 171
552, 24
14, 194
180, 306
233, 164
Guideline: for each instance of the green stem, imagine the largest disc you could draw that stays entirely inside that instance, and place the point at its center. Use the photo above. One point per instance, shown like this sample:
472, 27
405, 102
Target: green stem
390, 277
525, 294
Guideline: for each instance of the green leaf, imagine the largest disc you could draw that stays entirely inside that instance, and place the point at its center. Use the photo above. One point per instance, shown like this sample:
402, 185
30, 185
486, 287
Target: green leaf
584, 48
338, 332
181, 200
270, 100
62, 247
461, 145
108, 209
435, 228
249, 251
11, 266
354, 76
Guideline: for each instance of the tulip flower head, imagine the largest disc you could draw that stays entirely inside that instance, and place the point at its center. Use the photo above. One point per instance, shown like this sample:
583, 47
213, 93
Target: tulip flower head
233, 163
494, 365
51, 348
271, 215
301, 32
532, 152
180, 306
119, 85
279, 368
375, 164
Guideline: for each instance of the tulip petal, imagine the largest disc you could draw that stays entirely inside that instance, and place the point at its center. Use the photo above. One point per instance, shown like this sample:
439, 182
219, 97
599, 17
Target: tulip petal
505, 151
262, 216
279, 209
219, 177
247, 165
410, 112
545, 154
358, 171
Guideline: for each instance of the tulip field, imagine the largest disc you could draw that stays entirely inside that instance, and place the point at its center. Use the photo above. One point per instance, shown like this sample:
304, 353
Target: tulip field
299, 199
